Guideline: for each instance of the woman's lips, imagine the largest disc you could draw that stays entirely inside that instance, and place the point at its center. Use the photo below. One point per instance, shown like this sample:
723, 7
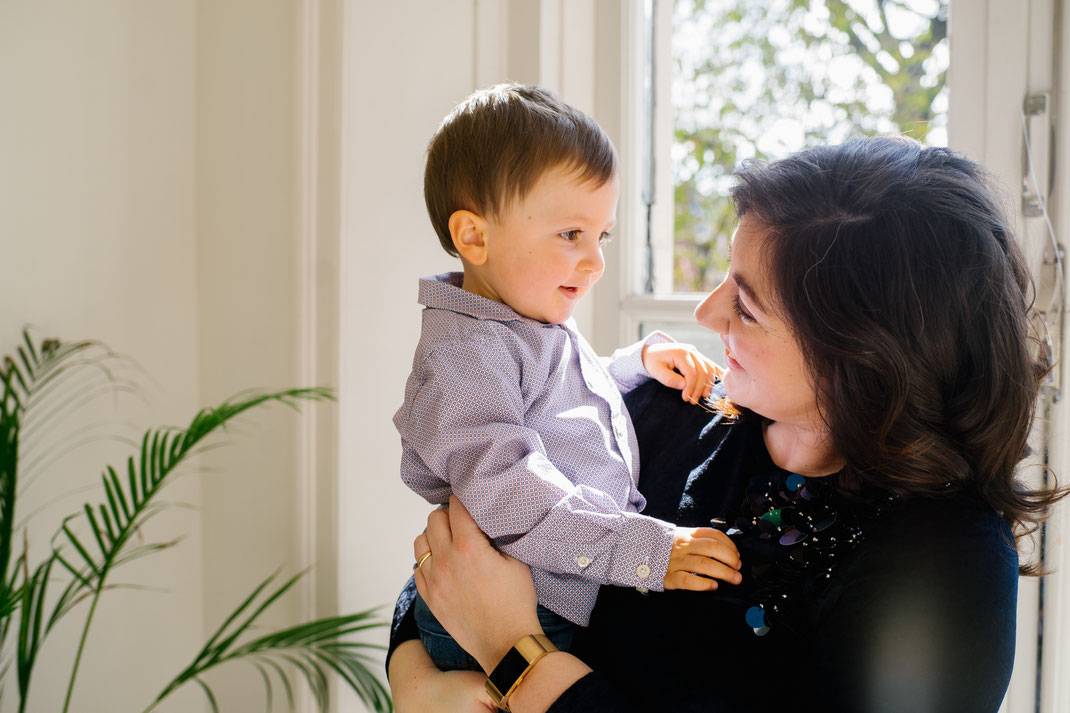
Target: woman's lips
732, 363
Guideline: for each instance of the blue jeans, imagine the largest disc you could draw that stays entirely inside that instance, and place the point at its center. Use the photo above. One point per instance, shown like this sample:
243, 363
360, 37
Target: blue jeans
449, 656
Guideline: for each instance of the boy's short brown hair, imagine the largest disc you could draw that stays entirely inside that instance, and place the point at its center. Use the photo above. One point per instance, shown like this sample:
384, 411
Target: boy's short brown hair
494, 147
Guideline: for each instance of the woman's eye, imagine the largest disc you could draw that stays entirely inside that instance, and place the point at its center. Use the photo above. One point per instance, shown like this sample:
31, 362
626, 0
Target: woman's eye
743, 314
604, 238
571, 235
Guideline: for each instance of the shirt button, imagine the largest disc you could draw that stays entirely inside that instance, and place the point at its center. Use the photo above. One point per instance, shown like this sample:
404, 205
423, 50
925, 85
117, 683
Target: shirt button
583, 561
642, 571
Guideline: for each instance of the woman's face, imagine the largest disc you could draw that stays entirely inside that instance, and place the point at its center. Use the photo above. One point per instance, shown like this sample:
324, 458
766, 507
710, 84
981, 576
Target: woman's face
766, 372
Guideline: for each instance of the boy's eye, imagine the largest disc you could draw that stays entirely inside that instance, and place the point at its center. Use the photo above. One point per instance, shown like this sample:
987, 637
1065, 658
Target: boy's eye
604, 238
571, 235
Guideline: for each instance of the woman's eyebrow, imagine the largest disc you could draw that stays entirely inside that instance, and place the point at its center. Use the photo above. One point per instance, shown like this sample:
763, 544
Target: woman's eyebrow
748, 292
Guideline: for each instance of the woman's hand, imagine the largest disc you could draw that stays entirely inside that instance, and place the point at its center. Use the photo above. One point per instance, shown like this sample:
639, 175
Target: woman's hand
418, 687
702, 551
484, 599
682, 366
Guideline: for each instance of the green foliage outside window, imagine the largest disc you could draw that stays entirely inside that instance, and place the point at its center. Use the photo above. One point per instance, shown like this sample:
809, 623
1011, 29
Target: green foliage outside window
761, 79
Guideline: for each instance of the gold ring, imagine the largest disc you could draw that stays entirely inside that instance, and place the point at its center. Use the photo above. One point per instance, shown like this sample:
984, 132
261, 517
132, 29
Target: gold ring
423, 558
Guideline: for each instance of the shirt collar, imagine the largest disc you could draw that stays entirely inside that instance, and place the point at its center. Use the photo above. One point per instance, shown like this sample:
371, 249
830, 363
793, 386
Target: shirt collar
444, 292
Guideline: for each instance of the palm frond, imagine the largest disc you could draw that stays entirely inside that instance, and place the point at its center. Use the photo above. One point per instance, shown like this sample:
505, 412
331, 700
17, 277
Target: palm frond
24, 377
313, 650
128, 504
129, 497
56, 378
31, 634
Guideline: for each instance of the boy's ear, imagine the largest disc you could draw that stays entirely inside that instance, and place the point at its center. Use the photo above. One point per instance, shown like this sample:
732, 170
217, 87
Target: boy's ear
469, 233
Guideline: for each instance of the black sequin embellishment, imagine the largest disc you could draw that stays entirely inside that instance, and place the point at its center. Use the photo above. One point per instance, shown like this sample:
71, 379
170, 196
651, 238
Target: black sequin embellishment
811, 525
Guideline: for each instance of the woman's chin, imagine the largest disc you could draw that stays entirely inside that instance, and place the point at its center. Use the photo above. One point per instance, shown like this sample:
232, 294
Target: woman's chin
731, 386
735, 390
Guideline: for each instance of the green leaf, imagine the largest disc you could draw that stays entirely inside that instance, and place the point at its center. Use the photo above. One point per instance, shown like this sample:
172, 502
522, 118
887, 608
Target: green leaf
313, 650
208, 693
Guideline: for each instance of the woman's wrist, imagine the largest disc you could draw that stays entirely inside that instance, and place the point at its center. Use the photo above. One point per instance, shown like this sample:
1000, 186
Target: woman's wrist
497, 644
555, 673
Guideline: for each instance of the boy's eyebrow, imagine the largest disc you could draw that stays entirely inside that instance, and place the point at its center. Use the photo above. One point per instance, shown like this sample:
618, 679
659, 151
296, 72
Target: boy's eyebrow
585, 219
748, 291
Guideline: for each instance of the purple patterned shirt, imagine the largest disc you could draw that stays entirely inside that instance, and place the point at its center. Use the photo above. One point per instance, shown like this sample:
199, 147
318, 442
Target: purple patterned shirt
526, 425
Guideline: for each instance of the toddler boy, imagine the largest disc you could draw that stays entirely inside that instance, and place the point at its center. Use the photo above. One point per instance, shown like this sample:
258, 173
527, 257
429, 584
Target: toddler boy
507, 406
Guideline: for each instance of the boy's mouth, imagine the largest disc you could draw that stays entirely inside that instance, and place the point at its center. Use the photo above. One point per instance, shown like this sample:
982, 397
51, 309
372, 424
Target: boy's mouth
570, 291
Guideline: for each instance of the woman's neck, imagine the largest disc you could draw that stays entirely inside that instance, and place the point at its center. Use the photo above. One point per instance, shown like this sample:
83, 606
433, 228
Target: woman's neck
800, 449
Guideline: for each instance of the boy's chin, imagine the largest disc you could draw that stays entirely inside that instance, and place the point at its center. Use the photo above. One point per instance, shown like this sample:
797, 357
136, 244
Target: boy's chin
553, 317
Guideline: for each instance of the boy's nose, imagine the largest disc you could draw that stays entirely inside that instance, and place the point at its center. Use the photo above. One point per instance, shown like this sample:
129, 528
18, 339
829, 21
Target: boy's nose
593, 262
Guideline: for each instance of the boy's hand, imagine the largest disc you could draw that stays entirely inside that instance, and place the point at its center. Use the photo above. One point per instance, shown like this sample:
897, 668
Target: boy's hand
681, 366
702, 551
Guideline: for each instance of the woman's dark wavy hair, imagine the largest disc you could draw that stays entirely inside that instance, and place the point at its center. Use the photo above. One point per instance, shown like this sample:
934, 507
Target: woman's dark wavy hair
912, 303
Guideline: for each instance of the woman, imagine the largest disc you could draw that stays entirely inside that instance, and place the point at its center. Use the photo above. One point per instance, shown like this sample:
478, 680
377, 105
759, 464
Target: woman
876, 323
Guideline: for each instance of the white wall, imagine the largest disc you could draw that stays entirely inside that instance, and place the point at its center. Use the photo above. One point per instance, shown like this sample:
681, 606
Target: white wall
391, 110
247, 282
97, 206
147, 199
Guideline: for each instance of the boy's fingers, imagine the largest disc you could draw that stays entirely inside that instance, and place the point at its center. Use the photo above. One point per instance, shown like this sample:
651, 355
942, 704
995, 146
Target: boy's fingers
670, 378
686, 580
709, 568
707, 549
687, 367
711, 533
725, 552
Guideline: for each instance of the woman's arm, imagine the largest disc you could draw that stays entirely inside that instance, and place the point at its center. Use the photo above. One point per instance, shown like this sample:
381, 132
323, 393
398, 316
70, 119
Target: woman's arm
486, 601
418, 686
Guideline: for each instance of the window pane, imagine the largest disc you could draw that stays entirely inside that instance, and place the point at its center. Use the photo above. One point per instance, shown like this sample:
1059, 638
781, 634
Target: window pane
761, 79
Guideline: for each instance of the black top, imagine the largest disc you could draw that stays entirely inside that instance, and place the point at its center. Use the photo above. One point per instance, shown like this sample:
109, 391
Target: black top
897, 606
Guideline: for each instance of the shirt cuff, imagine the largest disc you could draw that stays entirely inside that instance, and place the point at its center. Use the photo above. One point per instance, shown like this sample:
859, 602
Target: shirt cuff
625, 365
641, 557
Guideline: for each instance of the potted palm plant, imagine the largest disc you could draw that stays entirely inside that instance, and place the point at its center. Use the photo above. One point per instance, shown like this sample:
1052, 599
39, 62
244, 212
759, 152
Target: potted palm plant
92, 543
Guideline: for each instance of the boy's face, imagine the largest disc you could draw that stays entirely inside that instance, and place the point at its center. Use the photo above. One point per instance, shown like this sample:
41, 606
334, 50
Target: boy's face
545, 252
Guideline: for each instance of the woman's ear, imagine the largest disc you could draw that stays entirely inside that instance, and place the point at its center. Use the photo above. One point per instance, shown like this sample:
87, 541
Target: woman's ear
469, 233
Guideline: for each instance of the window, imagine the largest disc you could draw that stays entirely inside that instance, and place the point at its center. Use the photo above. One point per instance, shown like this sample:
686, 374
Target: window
729, 80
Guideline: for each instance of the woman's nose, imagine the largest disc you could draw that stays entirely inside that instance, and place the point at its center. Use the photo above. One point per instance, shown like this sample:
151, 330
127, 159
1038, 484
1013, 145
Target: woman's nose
710, 312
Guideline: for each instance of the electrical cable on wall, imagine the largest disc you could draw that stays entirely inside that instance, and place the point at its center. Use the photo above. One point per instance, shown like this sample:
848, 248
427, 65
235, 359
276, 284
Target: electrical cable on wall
1057, 292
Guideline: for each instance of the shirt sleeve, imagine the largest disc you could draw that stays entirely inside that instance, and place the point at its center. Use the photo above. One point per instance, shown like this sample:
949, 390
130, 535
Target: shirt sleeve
625, 365
466, 423
594, 693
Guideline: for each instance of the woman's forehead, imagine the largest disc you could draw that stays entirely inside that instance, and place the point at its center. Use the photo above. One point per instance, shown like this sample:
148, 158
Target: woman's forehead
745, 264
